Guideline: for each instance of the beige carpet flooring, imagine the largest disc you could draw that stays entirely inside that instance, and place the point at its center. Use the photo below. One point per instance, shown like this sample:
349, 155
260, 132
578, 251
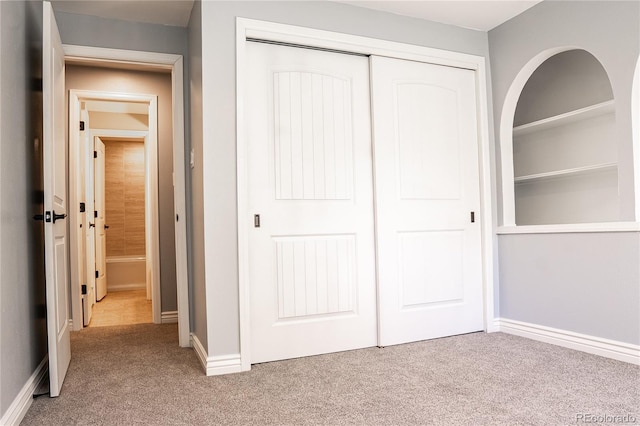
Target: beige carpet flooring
137, 375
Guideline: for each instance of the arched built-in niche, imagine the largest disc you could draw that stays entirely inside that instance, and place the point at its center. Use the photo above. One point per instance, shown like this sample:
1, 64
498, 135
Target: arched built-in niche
563, 143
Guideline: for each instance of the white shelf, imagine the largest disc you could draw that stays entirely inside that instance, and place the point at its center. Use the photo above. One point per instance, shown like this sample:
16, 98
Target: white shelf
566, 172
570, 228
566, 118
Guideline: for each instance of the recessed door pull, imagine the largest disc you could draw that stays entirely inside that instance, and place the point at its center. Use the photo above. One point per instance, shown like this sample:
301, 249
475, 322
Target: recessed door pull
256, 221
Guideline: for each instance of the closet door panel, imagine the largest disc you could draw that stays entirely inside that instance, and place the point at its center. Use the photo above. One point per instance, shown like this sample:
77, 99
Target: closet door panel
427, 185
311, 256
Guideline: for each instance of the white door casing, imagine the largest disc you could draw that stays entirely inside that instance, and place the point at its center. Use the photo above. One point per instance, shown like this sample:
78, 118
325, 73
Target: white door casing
150, 139
312, 271
174, 63
427, 186
55, 203
99, 217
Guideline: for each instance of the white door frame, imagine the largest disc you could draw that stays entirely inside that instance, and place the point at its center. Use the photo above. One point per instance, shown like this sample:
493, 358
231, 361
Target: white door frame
151, 222
174, 63
152, 228
281, 33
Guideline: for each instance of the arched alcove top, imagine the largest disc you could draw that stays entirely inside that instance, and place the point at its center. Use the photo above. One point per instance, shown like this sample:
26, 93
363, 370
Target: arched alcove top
564, 82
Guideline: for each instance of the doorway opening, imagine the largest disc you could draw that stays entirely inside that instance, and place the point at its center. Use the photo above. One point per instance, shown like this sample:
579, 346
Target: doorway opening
117, 242
161, 115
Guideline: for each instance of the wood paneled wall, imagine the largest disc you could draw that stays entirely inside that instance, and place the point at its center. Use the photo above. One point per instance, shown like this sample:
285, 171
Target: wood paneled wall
124, 193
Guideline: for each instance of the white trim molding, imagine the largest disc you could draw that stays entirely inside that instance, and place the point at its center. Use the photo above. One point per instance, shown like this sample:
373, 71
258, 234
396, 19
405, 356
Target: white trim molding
301, 36
127, 287
216, 365
20, 405
574, 228
125, 58
613, 349
169, 317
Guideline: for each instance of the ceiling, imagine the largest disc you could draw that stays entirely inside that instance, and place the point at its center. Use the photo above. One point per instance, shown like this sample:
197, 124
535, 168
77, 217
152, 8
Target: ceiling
480, 15
477, 14
166, 12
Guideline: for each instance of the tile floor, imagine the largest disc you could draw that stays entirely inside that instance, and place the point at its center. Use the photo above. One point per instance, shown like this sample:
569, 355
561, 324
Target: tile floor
122, 308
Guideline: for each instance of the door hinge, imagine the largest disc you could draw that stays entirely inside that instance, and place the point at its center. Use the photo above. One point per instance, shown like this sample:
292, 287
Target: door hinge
95, 213
473, 217
83, 207
84, 289
95, 154
256, 221
97, 274
81, 125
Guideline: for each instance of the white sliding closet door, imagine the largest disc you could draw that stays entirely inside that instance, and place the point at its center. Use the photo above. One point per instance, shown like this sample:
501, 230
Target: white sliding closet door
427, 185
309, 165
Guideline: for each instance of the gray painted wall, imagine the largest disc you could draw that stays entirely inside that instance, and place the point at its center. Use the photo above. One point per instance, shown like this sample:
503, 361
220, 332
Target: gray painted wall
148, 83
197, 291
22, 294
218, 145
85, 30
587, 283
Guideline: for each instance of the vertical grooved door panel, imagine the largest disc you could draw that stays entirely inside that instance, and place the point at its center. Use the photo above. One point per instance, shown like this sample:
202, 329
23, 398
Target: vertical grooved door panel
313, 146
310, 265
312, 260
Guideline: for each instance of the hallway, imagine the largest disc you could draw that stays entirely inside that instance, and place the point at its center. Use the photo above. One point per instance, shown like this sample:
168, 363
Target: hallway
122, 308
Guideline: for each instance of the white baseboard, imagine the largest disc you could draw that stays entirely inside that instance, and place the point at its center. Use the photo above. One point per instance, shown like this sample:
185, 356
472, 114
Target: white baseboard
216, 365
169, 317
20, 405
126, 287
492, 326
620, 351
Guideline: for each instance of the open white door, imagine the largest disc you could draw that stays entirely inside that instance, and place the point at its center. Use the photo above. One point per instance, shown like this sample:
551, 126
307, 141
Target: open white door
427, 200
101, 240
87, 277
55, 203
90, 253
